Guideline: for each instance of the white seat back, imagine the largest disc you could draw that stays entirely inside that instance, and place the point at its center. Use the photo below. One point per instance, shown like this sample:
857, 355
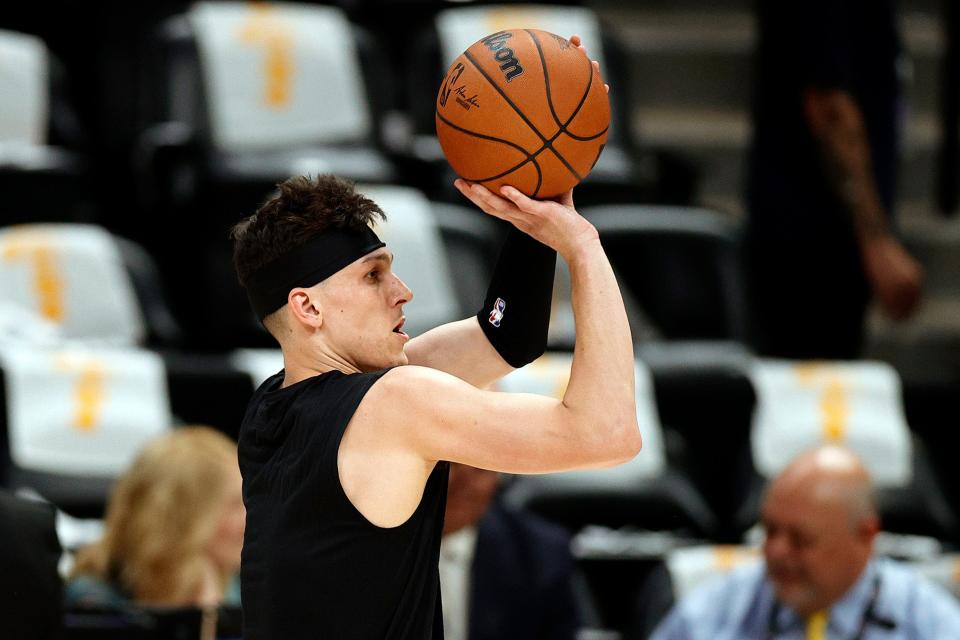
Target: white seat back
279, 75
24, 87
420, 259
80, 411
460, 27
690, 567
73, 277
259, 364
549, 376
855, 404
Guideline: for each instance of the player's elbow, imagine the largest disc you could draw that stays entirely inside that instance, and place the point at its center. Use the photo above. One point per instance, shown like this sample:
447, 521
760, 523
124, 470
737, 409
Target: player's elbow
629, 440
621, 440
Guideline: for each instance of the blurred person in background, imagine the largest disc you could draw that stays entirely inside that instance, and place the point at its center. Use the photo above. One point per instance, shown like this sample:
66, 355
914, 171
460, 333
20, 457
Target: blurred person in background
819, 578
173, 530
504, 573
820, 239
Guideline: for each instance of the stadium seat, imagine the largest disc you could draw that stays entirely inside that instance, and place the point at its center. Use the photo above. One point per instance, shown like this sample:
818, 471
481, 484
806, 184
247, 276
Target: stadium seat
72, 277
562, 335
690, 567
29, 554
681, 571
681, 265
643, 493
40, 137
625, 569
244, 95
257, 364
859, 405
706, 402
616, 177
249, 94
207, 389
81, 283
931, 409
73, 419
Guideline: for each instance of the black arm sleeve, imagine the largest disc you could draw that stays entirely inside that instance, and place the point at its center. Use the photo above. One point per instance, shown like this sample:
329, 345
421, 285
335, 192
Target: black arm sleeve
516, 312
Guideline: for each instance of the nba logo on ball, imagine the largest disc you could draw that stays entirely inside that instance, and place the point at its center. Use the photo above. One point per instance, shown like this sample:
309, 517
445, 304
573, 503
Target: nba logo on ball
524, 108
496, 314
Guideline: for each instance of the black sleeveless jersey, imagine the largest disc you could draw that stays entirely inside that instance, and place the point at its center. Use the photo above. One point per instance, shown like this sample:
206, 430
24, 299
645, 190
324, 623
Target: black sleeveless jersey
313, 566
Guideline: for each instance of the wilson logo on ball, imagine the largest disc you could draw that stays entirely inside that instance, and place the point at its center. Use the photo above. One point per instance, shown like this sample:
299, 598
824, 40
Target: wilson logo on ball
503, 54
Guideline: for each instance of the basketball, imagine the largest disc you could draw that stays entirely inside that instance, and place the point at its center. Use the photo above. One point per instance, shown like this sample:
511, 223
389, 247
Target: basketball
525, 108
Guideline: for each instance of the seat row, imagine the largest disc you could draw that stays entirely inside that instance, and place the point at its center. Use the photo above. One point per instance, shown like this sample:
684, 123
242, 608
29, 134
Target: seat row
716, 423
680, 267
79, 284
232, 97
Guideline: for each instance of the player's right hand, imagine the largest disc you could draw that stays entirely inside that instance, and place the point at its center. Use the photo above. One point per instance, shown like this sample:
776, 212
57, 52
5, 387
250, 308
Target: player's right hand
555, 223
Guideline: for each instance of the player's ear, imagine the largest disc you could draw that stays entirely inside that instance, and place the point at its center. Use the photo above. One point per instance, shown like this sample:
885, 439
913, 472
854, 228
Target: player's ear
305, 307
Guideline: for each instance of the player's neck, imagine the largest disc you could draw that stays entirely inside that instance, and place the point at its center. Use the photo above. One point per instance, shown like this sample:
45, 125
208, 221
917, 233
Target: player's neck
309, 360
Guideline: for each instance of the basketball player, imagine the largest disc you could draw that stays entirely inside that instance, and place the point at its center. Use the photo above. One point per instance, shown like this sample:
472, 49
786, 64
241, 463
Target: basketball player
342, 452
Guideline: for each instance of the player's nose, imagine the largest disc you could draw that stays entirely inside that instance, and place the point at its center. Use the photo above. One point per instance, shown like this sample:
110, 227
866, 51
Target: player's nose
403, 293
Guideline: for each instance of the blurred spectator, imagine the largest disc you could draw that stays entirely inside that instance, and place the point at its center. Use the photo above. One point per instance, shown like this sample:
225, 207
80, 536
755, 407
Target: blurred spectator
503, 573
173, 531
819, 577
820, 237
29, 581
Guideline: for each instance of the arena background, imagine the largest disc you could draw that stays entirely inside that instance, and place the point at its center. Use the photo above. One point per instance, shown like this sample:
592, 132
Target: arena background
157, 332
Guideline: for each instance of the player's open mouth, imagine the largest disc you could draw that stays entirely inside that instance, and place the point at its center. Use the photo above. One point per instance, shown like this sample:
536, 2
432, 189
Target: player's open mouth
397, 329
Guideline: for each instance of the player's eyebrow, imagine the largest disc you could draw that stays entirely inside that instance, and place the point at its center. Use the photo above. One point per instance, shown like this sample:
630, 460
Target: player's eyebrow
382, 256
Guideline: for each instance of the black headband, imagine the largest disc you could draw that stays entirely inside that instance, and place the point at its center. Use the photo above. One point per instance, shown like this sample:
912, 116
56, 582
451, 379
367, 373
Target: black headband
316, 260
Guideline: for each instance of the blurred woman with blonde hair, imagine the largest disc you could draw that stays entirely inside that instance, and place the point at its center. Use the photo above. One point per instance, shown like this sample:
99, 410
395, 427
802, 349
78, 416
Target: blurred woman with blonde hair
173, 530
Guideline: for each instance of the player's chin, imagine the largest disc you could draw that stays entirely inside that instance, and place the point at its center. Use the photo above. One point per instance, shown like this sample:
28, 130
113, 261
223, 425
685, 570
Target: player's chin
399, 359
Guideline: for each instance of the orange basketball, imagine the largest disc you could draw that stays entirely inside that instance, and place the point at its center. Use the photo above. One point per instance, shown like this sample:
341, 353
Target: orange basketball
526, 108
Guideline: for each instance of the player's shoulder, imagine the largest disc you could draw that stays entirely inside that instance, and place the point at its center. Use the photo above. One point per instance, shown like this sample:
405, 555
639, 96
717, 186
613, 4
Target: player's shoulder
413, 393
414, 381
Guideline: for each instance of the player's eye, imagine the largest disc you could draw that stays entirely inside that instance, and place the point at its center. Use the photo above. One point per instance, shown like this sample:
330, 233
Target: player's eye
374, 275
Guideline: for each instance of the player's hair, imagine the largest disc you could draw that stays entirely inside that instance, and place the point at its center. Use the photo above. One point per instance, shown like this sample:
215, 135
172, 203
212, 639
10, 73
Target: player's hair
162, 516
303, 208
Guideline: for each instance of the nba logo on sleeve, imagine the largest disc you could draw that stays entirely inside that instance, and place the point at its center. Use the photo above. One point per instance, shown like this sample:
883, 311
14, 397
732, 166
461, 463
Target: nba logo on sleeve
496, 314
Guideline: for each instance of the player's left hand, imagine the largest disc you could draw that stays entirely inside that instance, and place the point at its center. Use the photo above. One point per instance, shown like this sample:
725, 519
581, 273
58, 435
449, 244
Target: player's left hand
576, 41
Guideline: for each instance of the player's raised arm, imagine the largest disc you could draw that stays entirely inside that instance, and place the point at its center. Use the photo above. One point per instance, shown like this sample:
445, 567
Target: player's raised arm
595, 424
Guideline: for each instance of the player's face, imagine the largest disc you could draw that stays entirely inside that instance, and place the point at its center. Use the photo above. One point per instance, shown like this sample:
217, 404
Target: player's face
363, 312
813, 550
